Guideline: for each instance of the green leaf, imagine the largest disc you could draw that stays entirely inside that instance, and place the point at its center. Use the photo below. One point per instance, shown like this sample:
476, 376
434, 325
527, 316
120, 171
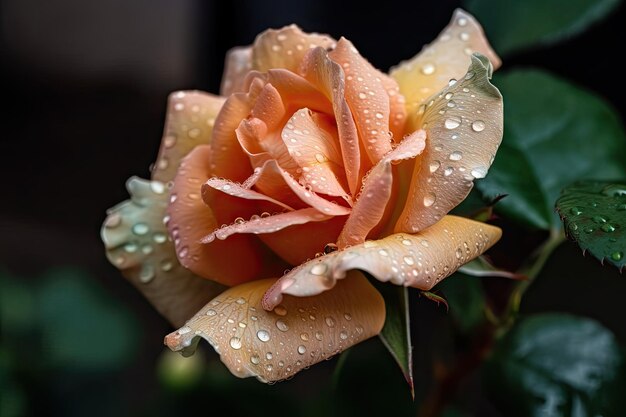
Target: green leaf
594, 214
396, 334
554, 134
516, 25
557, 365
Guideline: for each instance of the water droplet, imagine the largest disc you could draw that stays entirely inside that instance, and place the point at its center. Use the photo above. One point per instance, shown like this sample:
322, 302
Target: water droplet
347, 316
462, 21
607, 227
478, 126
320, 158
383, 252
235, 343
448, 171
362, 96
617, 256
330, 322
265, 215
269, 367
575, 211
589, 229
211, 312
280, 310
263, 335
599, 219
301, 349
281, 363
166, 265
452, 123
282, 326
254, 359
268, 356
452, 82
330, 247
226, 187
319, 336
146, 274
424, 243
304, 336
614, 190
458, 253
140, 229
319, 269
408, 260
451, 103
157, 187
470, 74
429, 199
434, 166
242, 325
194, 133
343, 335
428, 69
479, 172
130, 247
456, 156
183, 252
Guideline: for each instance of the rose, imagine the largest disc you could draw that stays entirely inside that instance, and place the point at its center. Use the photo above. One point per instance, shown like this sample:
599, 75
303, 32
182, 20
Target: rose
310, 152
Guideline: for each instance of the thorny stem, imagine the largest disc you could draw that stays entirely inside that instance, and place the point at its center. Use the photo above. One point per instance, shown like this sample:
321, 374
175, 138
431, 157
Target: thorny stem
448, 383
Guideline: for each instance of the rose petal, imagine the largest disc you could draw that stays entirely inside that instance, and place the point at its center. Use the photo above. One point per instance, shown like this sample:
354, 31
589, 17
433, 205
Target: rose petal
137, 243
445, 59
241, 191
273, 346
228, 159
238, 63
328, 77
464, 125
190, 219
190, 119
420, 260
270, 224
371, 204
397, 107
297, 92
285, 47
316, 152
367, 98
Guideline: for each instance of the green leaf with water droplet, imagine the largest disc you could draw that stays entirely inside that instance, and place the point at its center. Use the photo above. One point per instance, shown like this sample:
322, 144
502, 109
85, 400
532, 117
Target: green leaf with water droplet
517, 25
396, 334
594, 214
554, 134
557, 365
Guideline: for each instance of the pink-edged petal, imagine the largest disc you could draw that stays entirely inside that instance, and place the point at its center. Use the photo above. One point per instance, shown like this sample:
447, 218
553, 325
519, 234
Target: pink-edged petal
136, 242
329, 78
444, 60
418, 260
228, 159
241, 191
238, 63
273, 346
464, 126
269, 224
189, 219
190, 120
297, 92
316, 152
377, 187
285, 47
367, 98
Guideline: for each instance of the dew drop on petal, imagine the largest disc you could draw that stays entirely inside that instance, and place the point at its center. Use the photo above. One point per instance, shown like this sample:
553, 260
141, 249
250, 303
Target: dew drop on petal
478, 126
235, 343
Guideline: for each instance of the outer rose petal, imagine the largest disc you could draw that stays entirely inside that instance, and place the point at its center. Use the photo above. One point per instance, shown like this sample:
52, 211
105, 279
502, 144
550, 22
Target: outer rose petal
367, 98
420, 260
464, 125
238, 63
444, 59
276, 345
190, 119
136, 242
285, 48
190, 220
371, 204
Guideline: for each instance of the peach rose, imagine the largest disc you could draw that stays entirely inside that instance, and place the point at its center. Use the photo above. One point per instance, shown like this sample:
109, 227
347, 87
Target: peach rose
311, 160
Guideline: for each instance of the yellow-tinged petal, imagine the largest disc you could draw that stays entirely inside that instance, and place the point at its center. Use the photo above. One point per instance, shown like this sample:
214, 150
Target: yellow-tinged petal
418, 260
238, 63
299, 333
445, 59
285, 48
190, 119
137, 242
464, 125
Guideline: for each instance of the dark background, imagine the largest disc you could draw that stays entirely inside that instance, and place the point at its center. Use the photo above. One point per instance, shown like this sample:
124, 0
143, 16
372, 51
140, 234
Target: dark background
84, 88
